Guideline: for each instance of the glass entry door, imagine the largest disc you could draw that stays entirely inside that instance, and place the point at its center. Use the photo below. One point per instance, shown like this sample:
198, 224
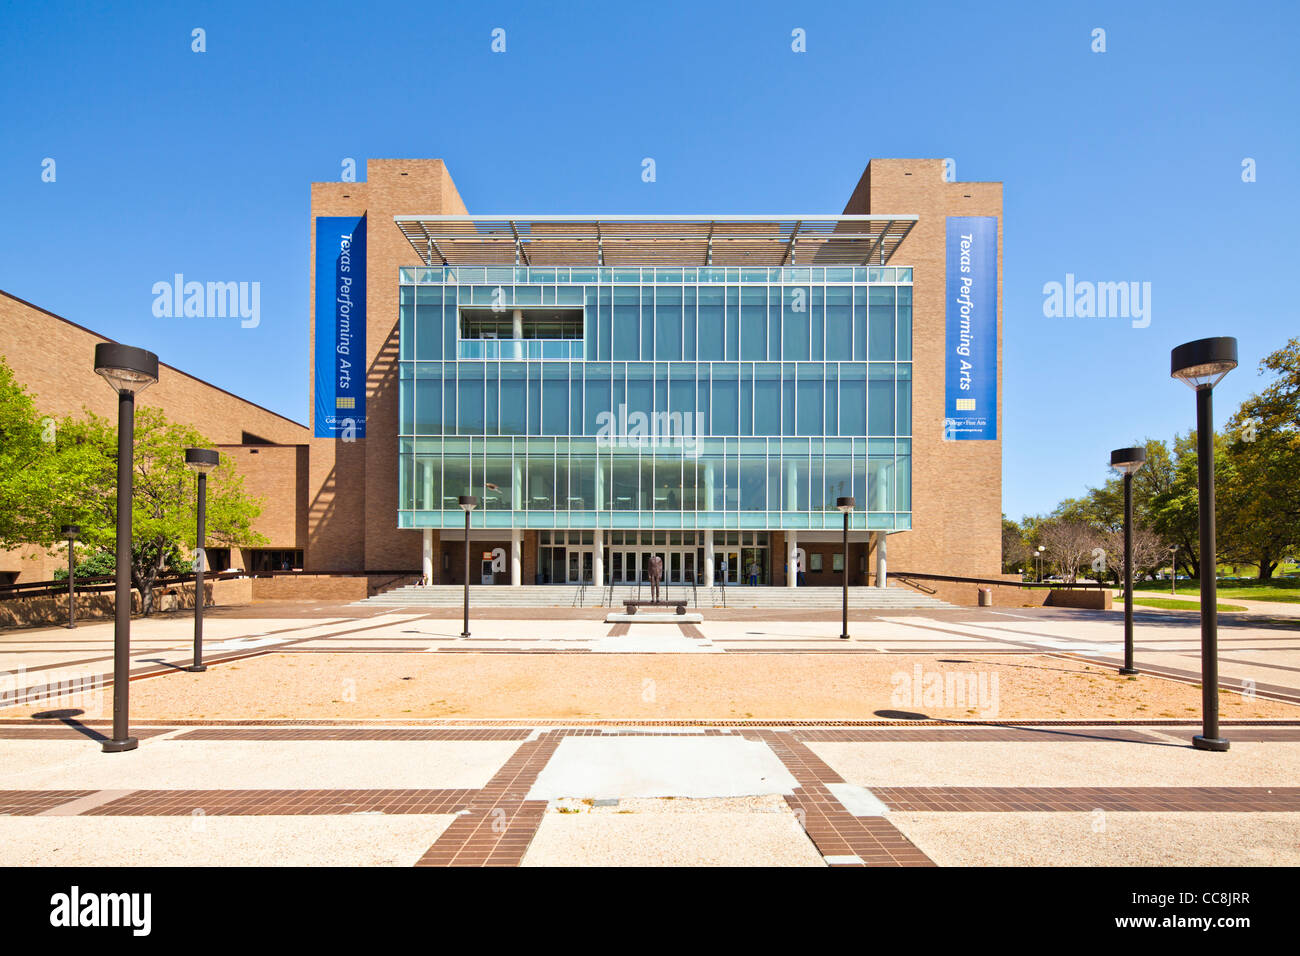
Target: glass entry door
579, 565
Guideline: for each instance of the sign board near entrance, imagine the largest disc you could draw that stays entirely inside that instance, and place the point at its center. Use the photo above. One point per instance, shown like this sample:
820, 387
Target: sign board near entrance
971, 353
340, 407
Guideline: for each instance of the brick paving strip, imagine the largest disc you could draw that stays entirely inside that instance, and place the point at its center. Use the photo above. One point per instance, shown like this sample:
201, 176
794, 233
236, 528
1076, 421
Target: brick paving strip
354, 733
175, 723
500, 821
173, 803
66, 732
30, 803
842, 838
1062, 735
1065, 799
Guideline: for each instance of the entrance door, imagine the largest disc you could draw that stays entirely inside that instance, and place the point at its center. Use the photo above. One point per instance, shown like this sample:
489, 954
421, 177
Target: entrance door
486, 576
733, 566
579, 565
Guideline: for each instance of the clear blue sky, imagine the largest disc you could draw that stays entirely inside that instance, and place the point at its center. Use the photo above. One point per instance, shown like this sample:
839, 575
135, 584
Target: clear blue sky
1117, 166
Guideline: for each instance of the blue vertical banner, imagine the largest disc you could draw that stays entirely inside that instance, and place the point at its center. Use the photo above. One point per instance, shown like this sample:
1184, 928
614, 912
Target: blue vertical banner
340, 327
971, 345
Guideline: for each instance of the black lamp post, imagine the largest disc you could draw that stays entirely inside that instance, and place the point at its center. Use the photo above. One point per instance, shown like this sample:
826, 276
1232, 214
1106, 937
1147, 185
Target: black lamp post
127, 370
201, 460
1201, 364
1039, 555
845, 505
1127, 461
70, 532
468, 503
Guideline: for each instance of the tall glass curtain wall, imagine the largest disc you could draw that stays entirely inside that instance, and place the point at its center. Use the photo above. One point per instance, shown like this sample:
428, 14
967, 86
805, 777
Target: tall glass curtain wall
696, 398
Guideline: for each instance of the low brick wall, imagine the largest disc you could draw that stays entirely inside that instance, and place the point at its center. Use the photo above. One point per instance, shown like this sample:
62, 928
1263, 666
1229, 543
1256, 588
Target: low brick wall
1097, 599
312, 587
1011, 594
44, 611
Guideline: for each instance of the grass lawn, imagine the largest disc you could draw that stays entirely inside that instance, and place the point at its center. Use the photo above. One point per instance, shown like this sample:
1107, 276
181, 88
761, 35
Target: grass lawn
1276, 589
1174, 605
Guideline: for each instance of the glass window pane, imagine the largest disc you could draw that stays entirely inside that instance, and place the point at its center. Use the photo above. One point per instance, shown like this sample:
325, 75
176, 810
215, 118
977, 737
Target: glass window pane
767, 399
753, 477
668, 324
853, 399
795, 331
859, 324
903, 481
540, 490
455, 480
881, 331
627, 313
880, 400
514, 396
809, 400
839, 322
753, 323
428, 322
469, 388
625, 471
725, 399
903, 424
904, 323
839, 479
733, 323
711, 323
555, 399
596, 399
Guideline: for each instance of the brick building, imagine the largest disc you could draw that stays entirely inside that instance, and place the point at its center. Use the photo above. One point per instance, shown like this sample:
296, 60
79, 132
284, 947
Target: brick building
53, 358
703, 388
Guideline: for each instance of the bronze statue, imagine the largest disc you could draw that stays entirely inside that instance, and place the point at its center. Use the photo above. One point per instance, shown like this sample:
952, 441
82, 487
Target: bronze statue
656, 572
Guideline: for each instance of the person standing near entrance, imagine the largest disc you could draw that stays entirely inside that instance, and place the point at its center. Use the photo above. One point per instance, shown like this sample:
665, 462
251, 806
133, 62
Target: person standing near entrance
754, 570
656, 572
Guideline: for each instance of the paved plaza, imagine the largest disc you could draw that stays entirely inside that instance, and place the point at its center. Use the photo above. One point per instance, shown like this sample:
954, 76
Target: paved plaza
353, 735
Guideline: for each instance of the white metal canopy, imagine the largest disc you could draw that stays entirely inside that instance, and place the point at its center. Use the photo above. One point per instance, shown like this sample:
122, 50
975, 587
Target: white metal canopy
687, 241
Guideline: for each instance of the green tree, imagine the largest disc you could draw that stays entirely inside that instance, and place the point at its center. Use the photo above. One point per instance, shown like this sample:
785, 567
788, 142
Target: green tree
38, 478
164, 494
1259, 497
1174, 510
1014, 549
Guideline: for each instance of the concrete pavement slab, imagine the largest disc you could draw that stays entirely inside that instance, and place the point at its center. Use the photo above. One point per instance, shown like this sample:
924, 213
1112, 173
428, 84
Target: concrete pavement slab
1104, 839
228, 765
1058, 764
326, 840
688, 766
756, 831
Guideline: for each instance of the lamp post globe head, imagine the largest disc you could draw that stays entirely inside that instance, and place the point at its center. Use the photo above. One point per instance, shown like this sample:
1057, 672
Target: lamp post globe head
202, 460
126, 368
468, 503
1128, 460
71, 531
1042, 548
1201, 364
845, 504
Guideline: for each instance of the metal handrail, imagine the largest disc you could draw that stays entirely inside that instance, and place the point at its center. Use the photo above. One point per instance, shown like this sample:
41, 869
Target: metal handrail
1015, 584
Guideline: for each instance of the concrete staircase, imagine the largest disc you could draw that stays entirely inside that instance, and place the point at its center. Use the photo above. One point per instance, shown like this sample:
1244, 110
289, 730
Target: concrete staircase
559, 595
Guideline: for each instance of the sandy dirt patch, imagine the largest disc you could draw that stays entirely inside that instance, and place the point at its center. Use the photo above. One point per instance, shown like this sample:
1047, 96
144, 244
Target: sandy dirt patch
667, 686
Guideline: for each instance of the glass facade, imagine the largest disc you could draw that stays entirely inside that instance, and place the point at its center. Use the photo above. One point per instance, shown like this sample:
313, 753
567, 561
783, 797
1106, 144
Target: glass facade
695, 398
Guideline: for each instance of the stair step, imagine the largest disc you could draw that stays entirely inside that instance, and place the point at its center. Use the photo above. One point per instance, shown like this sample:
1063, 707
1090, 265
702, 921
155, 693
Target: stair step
451, 595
